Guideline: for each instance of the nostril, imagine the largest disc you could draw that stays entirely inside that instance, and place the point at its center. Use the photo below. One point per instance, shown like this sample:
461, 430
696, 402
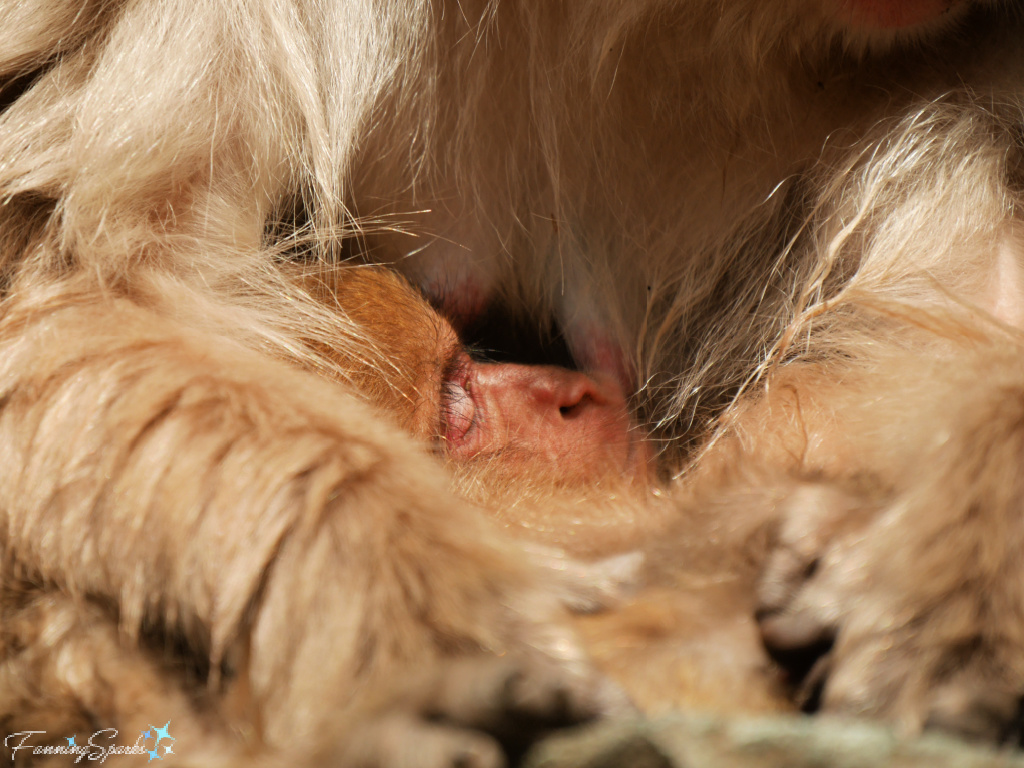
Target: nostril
568, 412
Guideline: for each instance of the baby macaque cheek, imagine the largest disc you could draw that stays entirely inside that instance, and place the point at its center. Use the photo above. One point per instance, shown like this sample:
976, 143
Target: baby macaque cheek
894, 14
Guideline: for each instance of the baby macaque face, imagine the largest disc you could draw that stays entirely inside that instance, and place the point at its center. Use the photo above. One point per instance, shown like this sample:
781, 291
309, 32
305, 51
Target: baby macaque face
576, 424
562, 423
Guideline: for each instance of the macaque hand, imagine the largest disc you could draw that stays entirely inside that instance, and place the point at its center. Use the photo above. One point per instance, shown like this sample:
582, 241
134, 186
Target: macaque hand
475, 712
901, 608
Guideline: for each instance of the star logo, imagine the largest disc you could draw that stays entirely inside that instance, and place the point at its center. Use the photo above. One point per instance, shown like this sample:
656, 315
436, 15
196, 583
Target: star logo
159, 734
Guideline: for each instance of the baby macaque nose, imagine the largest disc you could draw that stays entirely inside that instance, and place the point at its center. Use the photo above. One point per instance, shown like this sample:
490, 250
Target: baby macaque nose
563, 395
577, 394
577, 423
567, 402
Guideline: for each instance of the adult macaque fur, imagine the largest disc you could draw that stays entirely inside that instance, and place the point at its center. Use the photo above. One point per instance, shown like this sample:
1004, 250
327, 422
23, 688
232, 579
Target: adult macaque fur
864, 494
709, 654
280, 563
900, 405
222, 672
190, 471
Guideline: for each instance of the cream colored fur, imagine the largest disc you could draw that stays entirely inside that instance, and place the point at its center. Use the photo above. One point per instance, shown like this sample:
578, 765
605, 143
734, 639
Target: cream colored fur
701, 195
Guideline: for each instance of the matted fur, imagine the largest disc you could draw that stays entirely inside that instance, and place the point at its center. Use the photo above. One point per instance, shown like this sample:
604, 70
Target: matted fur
182, 461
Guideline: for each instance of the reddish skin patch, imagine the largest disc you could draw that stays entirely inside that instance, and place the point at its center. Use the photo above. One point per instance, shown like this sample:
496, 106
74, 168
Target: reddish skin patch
461, 299
571, 421
896, 14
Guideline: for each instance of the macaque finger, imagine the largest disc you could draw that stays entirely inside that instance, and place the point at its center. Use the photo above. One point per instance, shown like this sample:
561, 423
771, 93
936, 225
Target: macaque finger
403, 741
476, 711
594, 585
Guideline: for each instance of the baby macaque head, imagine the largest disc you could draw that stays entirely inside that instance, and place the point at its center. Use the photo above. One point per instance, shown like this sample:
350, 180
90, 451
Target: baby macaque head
562, 423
